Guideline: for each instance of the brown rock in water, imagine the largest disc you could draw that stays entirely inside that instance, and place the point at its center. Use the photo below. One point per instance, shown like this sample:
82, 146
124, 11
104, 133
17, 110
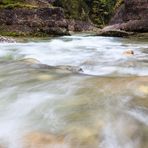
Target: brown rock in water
114, 32
128, 52
44, 140
132, 16
144, 89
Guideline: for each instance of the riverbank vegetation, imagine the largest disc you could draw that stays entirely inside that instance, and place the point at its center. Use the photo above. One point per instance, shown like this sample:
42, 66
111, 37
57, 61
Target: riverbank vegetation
98, 12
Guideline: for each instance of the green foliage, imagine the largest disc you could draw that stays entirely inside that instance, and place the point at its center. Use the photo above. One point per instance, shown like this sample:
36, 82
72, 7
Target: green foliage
74, 9
17, 5
10, 1
99, 11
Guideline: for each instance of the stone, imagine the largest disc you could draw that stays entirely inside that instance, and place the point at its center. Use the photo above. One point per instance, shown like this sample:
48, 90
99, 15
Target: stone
44, 140
74, 69
131, 17
80, 26
128, 52
45, 77
114, 32
6, 40
37, 21
144, 89
30, 61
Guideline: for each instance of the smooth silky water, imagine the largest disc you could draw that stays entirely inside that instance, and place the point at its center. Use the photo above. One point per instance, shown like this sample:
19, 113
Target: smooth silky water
106, 106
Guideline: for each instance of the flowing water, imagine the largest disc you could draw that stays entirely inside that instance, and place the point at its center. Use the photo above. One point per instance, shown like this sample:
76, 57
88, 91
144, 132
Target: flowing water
105, 106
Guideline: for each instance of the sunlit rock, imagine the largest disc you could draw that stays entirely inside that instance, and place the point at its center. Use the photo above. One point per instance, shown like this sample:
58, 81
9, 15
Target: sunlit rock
84, 136
128, 52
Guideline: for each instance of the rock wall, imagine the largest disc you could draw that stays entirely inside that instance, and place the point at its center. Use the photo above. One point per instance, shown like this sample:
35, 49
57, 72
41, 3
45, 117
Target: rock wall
37, 21
131, 16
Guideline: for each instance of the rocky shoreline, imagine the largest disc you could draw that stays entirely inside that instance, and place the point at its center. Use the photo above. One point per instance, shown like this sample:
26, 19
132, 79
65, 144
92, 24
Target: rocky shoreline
6, 39
129, 20
33, 19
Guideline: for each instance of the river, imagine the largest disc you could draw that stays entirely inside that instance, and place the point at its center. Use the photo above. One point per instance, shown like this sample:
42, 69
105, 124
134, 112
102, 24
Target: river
103, 106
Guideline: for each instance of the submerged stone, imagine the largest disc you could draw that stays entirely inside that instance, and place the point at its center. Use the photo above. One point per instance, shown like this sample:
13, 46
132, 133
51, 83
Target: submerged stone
44, 140
144, 89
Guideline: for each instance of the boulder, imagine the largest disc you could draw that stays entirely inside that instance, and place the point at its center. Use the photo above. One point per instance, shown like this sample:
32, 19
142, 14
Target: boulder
42, 140
128, 52
33, 21
131, 17
6, 40
80, 26
114, 32
34, 63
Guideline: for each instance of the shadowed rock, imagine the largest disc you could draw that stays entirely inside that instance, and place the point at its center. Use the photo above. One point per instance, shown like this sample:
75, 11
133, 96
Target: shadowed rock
130, 17
34, 63
114, 32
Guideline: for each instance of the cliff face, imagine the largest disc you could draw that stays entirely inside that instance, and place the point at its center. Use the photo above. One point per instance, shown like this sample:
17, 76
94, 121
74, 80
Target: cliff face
54, 17
37, 21
131, 16
37, 18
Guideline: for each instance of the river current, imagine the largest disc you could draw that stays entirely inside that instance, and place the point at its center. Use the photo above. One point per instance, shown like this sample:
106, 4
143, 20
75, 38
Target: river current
103, 106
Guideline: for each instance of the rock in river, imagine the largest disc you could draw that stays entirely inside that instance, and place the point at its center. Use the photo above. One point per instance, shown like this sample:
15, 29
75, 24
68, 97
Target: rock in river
132, 16
6, 39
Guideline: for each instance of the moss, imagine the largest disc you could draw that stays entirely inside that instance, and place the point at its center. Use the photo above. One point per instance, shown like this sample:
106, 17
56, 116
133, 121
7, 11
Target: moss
118, 4
17, 5
10, 4
13, 34
24, 34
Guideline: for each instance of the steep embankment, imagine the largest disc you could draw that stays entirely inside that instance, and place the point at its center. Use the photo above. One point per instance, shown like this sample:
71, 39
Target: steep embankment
52, 17
132, 16
34, 18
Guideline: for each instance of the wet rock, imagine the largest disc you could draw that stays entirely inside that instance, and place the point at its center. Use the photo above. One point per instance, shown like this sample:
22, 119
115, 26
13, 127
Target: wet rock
6, 40
74, 69
34, 63
30, 61
84, 136
44, 140
45, 77
114, 32
144, 89
128, 52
